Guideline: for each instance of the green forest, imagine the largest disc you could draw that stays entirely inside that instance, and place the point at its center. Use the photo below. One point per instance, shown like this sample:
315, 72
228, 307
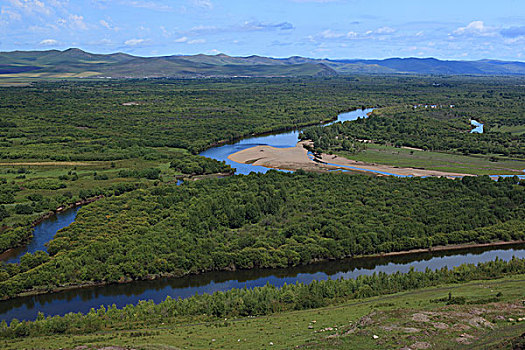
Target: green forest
267, 220
63, 140
66, 141
421, 128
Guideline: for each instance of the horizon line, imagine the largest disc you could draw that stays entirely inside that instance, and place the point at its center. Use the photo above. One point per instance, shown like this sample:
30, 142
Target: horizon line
271, 57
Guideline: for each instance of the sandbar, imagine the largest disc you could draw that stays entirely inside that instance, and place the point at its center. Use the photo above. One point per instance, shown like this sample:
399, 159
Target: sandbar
294, 158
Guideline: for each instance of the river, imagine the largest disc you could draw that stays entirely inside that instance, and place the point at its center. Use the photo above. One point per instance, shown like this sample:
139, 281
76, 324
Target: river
82, 300
478, 127
43, 233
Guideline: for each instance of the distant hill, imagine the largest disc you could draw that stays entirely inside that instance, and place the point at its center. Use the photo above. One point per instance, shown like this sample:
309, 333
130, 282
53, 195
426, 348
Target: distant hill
77, 63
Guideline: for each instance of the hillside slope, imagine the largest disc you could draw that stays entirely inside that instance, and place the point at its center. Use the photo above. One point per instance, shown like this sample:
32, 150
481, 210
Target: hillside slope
77, 63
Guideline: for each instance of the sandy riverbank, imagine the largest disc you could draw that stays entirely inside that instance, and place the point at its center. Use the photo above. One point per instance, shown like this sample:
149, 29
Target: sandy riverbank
291, 158
294, 158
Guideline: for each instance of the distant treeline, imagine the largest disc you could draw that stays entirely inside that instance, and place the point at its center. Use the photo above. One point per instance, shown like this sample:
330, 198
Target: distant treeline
199, 165
268, 220
257, 301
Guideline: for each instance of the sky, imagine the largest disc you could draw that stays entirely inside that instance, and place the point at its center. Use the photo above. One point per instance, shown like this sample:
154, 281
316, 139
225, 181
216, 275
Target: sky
445, 29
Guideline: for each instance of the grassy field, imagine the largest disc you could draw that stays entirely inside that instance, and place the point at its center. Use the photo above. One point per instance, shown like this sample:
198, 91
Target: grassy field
402, 157
416, 319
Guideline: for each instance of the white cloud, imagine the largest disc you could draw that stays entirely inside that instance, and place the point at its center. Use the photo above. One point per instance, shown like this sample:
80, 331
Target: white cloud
329, 34
133, 42
384, 30
48, 42
475, 28
182, 39
150, 5
77, 22
196, 41
31, 6
73, 22
511, 41
108, 25
14, 16
205, 4
201, 28
166, 33
105, 24
318, 1
257, 26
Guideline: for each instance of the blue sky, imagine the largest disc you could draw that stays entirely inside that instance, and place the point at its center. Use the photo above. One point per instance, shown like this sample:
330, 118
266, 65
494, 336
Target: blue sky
446, 29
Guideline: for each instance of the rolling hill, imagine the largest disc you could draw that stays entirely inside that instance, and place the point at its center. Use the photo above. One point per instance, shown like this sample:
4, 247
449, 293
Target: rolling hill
77, 63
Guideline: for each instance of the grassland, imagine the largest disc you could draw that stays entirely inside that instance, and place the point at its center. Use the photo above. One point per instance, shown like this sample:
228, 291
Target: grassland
398, 320
455, 163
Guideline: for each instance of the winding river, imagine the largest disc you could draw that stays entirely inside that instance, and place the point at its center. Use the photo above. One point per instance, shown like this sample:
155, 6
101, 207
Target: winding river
82, 300
280, 140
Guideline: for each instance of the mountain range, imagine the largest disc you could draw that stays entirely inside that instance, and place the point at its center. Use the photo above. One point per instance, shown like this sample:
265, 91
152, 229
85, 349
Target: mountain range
77, 63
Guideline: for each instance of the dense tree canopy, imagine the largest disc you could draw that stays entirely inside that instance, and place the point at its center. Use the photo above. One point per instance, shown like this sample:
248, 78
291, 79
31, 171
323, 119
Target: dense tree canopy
271, 220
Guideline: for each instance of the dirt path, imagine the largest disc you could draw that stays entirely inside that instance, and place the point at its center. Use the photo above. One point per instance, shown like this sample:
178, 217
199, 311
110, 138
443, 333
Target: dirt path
294, 158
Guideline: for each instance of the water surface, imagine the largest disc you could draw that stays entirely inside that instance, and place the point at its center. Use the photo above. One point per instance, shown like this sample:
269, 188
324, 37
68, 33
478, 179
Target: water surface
478, 127
82, 300
43, 233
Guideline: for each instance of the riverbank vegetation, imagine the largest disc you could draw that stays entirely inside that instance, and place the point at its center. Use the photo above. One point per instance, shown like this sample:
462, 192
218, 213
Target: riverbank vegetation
268, 220
29, 192
397, 320
424, 129
238, 305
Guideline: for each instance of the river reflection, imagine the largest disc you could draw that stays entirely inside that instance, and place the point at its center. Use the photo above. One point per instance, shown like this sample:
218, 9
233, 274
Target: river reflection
82, 300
